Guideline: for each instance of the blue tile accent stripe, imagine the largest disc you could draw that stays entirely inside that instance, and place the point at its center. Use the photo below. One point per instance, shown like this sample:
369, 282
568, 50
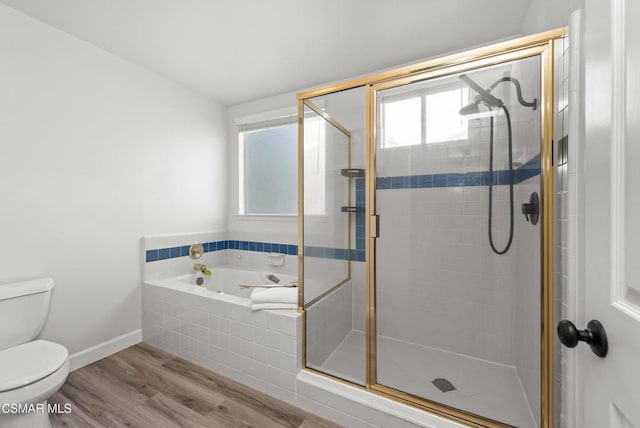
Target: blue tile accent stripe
261, 247
334, 253
480, 178
209, 247
530, 169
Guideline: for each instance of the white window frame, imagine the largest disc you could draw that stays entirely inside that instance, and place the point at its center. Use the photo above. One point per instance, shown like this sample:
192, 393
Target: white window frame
421, 94
259, 121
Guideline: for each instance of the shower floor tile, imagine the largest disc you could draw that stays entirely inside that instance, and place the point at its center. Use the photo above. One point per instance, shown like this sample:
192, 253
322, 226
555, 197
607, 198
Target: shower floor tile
482, 387
348, 359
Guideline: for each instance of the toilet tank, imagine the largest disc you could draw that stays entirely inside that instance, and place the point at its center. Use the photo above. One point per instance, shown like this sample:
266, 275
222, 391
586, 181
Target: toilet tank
23, 310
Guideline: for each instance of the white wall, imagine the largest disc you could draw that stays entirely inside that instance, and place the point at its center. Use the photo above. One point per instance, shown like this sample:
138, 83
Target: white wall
95, 153
548, 14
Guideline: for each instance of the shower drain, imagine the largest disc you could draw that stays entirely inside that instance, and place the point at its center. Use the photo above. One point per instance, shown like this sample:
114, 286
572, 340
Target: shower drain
443, 384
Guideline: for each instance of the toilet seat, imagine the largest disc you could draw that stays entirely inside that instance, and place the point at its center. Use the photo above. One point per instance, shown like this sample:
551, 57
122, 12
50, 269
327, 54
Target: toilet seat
30, 362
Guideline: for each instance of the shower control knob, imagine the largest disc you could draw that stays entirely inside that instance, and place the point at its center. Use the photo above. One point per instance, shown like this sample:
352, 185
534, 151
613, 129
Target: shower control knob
531, 210
594, 335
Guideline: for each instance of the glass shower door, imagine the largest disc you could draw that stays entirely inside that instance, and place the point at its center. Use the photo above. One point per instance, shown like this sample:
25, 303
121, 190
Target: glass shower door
457, 266
333, 249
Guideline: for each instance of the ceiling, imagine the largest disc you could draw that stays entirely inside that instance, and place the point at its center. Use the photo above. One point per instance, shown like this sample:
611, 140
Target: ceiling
241, 50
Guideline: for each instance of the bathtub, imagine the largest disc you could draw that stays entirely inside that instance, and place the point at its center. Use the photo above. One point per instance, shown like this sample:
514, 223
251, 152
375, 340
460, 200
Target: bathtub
224, 283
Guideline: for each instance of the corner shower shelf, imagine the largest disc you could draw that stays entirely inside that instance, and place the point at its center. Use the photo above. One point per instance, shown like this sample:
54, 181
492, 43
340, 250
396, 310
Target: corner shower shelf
352, 172
352, 209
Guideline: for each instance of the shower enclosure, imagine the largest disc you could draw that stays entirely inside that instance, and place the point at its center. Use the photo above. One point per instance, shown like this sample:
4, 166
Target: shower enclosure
426, 233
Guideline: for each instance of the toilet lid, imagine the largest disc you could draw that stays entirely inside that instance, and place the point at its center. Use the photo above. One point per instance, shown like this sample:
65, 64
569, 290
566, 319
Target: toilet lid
28, 363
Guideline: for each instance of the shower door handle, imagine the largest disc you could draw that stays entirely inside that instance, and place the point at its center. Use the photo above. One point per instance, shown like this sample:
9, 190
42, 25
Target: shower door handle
594, 335
375, 226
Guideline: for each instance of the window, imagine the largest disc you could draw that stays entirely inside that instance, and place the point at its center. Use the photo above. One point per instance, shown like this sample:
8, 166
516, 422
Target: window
268, 157
424, 118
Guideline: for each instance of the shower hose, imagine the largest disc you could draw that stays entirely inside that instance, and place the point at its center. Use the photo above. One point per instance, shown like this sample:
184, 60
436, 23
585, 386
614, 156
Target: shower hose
491, 180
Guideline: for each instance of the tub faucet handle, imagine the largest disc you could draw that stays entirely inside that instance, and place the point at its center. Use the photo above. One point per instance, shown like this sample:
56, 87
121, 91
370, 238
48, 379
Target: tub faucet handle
202, 268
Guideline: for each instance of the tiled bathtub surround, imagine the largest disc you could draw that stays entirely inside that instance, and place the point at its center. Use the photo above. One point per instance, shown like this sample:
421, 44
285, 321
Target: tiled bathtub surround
157, 254
260, 349
219, 251
171, 245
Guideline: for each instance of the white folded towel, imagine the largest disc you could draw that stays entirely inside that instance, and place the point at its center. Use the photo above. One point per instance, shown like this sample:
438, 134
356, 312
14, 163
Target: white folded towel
259, 306
286, 284
275, 295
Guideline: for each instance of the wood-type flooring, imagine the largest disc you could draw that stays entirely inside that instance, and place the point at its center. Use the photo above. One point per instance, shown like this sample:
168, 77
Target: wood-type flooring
142, 386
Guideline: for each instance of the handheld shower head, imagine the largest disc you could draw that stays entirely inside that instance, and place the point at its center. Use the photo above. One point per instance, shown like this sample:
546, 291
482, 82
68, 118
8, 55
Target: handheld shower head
470, 108
484, 95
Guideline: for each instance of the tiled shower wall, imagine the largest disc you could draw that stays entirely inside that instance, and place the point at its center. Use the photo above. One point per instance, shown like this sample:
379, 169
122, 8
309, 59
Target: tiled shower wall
526, 285
438, 283
565, 183
328, 323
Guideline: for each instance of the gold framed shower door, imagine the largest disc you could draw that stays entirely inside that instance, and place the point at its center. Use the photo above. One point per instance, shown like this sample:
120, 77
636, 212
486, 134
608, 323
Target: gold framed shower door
541, 45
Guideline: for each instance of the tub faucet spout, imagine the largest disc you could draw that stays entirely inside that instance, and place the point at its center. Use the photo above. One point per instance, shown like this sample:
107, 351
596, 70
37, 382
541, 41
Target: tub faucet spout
202, 268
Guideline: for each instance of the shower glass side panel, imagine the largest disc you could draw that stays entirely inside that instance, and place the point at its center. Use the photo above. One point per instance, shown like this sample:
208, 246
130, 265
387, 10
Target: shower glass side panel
457, 264
330, 211
326, 192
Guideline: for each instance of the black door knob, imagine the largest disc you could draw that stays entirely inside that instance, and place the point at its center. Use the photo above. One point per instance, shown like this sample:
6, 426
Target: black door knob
594, 335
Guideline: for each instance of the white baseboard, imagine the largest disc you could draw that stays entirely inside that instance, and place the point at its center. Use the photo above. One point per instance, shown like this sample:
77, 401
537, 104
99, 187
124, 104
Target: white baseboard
104, 349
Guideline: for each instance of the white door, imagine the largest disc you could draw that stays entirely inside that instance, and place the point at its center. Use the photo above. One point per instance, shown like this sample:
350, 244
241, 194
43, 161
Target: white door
609, 388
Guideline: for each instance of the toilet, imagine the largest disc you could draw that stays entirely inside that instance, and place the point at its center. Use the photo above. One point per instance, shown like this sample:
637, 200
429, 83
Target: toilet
30, 370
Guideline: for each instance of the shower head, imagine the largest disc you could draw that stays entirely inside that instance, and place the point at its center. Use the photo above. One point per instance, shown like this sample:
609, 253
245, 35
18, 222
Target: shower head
470, 108
483, 95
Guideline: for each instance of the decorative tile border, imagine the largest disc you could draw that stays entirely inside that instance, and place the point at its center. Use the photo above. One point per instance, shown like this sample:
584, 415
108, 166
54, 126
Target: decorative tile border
480, 178
262, 247
530, 169
173, 252
356, 255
